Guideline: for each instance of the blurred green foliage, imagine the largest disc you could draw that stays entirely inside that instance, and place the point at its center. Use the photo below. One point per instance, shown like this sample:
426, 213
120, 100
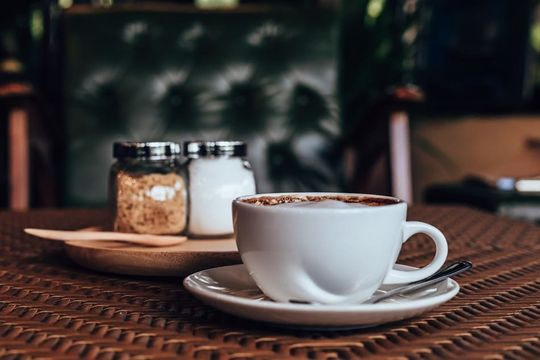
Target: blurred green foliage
373, 54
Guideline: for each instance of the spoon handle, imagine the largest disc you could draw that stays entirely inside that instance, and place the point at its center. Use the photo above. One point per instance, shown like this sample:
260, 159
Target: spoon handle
441, 275
450, 270
139, 239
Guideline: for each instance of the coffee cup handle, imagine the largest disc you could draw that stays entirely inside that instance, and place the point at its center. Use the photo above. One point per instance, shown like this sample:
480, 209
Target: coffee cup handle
409, 229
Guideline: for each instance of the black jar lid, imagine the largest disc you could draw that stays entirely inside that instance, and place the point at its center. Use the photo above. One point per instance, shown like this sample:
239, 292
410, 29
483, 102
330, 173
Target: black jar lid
195, 149
146, 150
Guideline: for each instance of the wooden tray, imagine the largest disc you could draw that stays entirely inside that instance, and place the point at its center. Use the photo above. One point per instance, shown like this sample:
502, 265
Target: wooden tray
178, 260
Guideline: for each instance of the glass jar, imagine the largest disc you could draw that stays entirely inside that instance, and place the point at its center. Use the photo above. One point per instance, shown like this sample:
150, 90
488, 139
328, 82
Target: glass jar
218, 173
147, 188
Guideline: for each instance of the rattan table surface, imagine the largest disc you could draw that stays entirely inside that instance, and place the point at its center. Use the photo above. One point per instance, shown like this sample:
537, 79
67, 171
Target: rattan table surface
51, 308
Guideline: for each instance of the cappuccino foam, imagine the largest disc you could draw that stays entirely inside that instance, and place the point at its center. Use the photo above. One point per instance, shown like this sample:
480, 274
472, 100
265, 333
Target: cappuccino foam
324, 201
323, 204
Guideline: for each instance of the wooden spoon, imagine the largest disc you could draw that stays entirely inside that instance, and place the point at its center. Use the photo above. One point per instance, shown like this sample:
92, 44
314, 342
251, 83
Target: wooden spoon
139, 239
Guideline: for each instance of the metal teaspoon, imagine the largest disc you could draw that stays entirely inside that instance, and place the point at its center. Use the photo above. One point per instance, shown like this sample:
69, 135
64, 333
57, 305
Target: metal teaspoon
439, 276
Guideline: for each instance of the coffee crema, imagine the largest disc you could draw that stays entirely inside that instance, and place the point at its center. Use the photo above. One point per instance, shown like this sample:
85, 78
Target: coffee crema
329, 200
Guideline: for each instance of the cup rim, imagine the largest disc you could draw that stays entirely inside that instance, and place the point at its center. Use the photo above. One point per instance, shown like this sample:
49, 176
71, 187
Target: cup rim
239, 202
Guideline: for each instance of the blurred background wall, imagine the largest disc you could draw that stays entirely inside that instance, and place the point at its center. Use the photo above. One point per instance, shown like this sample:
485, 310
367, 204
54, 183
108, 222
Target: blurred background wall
317, 88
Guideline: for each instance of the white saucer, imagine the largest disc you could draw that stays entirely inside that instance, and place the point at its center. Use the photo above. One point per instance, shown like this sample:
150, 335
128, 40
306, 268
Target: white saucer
232, 290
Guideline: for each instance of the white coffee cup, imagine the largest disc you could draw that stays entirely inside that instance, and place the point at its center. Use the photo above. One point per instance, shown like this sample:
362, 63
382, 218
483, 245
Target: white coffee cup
327, 255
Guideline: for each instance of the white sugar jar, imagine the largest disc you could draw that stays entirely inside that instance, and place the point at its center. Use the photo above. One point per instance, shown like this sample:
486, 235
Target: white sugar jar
217, 174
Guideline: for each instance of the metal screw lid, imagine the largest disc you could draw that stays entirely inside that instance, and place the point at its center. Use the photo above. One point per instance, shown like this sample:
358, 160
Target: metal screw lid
146, 150
195, 149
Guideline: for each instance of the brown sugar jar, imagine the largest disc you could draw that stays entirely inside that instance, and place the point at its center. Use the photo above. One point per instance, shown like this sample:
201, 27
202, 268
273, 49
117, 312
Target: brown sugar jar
147, 188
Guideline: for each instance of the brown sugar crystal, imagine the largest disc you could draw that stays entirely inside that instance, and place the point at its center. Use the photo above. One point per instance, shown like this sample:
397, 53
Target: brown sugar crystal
150, 204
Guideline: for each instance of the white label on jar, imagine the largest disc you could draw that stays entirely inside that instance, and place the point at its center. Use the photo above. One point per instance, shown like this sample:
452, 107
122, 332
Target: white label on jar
161, 193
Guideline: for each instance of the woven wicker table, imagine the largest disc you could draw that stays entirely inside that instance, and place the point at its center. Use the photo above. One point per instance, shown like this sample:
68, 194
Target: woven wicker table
51, 308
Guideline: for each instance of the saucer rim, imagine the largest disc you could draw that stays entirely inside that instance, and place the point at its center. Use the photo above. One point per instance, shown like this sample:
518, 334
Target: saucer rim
201, 292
